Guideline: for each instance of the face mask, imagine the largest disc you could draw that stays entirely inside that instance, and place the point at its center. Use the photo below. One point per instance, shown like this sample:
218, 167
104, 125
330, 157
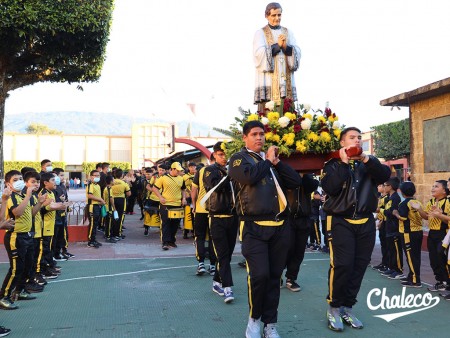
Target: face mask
96, 179
57, 180
19, 185
48, 169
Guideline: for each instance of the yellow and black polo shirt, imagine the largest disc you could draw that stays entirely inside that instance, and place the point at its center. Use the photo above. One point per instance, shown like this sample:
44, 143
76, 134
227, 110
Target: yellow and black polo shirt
23, 223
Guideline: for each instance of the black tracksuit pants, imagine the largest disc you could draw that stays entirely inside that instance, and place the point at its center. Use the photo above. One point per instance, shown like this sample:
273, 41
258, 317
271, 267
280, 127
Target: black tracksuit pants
383, 244
169, 226
94, 221
412, 245
201, 229
265, 249
351, 247
434, 240
299, 232
19, 246
395, 253
223, 232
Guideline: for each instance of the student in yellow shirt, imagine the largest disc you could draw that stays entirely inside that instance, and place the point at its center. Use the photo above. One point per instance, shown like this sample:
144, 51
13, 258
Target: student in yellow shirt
438, 229
94, 203
120, 191
188, 214
18, 241
170, 191
109, 204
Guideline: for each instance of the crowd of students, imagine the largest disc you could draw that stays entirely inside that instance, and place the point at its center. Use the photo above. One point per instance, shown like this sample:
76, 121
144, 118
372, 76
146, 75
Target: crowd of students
400, 217
34, 206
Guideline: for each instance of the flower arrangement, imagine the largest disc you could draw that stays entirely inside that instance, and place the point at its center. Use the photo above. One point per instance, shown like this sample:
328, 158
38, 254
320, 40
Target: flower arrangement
294, 129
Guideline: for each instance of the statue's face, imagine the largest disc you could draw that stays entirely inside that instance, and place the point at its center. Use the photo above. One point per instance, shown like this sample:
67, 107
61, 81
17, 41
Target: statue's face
274, 17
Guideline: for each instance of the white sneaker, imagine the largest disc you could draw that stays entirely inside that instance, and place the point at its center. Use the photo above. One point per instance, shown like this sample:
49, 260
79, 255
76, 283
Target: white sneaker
270, 331
253, 328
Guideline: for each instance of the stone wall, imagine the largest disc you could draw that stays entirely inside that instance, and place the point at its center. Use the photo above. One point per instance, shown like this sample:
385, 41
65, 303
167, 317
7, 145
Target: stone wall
432, 108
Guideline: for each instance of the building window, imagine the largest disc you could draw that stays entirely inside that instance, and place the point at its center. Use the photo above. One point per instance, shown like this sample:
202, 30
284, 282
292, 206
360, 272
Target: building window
365, 145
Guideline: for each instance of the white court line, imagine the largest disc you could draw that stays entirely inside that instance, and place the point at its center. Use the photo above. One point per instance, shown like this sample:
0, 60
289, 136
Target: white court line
144, 271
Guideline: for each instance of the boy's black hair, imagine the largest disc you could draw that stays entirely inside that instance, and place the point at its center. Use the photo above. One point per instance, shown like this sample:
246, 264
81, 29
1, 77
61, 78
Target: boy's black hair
444, 184
105, 165
10, 174
118, 173
250, 125
98, 165
45, 161
58, 170
394, 182
192, 164
218, 146
109, 179
31, 174
346, 130
149, 170
24, 170
93, 172
408, 189
46, 177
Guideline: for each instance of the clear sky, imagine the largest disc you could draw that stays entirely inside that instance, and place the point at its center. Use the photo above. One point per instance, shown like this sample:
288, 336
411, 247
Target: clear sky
164, 54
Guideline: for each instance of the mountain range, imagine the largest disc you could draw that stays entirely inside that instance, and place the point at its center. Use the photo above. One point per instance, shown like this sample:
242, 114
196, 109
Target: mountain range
88, 123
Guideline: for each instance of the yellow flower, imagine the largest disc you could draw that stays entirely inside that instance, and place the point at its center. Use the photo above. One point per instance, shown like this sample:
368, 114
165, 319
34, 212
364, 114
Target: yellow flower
337, 133
276, 138
273, 116
332, 119
253, 117
301, 146
313, 137
269, 136
290, 116
308, 116
321, 119
325, 136
288, 139
223, 146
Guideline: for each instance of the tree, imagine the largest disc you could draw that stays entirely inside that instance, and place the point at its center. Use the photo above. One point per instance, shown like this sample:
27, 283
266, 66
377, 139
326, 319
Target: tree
50, 40
392, 140
42, 129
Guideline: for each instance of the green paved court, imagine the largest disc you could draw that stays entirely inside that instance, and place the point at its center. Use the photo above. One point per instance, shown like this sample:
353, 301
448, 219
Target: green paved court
162, 297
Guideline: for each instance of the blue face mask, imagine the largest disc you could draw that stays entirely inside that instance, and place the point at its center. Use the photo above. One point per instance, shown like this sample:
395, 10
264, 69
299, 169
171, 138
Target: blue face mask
49, 168
57, 180
96, 179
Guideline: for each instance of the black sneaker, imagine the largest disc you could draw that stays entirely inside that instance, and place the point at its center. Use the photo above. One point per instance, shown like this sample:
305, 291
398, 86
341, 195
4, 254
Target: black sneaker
201, 270
7, 304
110, 240
379, 266
33, 287
39, 279
146, 232
98, 243
439, 286
49, 275
410, 284
172, 245
165, 246
4, 331
292, 285
60, 257
93, 245
67, 253
25, 295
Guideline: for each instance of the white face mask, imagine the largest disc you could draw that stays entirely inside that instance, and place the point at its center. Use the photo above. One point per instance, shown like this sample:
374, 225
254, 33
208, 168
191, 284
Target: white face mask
49, 168
96, 179
19, 185
57, 180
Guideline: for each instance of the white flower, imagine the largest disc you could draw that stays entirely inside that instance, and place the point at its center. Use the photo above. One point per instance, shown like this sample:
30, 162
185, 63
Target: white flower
306, 107
264, 120
270, 105
283, 121
336, 125
306, 124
